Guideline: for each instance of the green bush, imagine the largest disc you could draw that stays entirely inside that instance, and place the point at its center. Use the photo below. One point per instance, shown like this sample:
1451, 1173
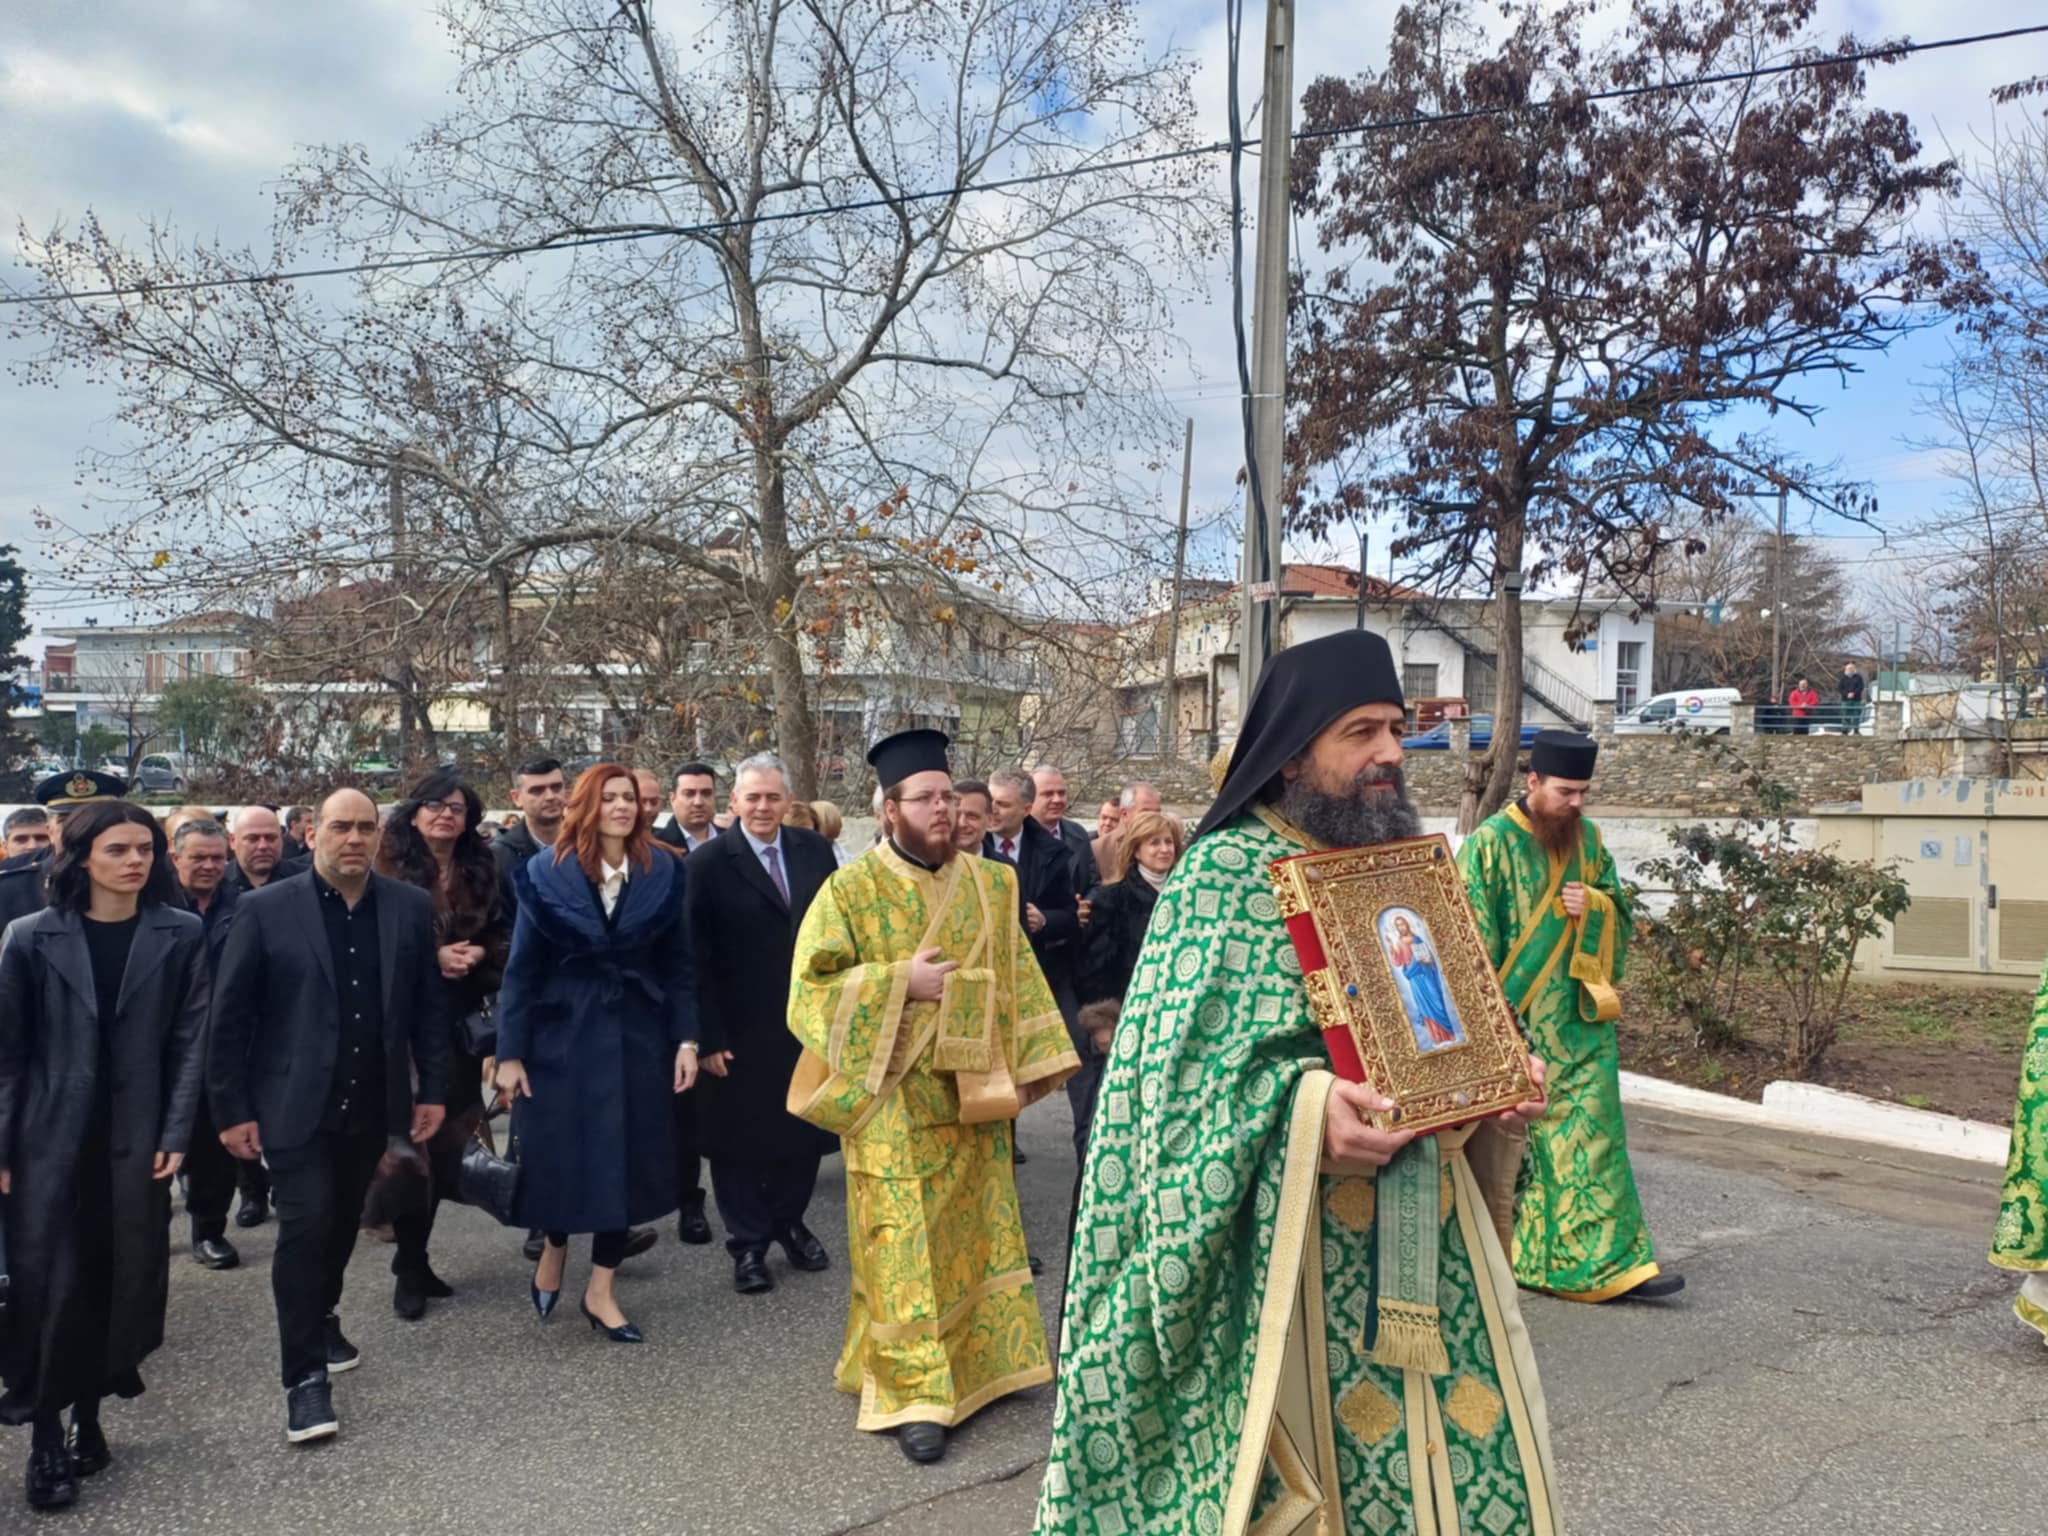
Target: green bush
1750, 908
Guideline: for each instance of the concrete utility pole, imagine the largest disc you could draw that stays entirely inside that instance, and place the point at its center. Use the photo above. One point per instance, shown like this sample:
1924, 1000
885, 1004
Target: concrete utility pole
1169, 720
1259, 606
1778, 607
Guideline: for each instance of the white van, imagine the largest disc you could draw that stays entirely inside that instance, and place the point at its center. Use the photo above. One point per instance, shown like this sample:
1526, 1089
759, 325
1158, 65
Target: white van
1704, 710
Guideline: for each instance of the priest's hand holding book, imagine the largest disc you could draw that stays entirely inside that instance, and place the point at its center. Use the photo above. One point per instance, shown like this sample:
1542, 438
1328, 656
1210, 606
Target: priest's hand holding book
1352, 1144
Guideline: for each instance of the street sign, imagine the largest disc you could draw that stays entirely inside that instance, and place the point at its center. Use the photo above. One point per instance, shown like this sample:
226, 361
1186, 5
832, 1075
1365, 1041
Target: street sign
1264, 591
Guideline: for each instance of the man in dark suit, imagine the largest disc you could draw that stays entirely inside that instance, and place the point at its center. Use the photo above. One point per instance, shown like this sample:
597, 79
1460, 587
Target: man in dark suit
693, 806
1051, 914
256, 841
199, 853
748, 890
324, 1003
1049, 810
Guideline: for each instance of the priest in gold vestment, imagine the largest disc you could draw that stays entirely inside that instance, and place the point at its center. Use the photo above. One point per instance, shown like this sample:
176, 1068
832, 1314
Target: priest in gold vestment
926, 1027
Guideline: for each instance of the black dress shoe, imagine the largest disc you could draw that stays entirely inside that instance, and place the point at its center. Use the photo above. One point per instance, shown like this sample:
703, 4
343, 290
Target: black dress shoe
1037, 1264
750, 1275
309, 1411
625, 1333
691, 1227
409, 1296
922, 1442
214, 1253
535, 1241
638, 1241
1017, 1155
1656, 1288
341, 1355
804, 1249
252, 1212
52, 1479
90, 1452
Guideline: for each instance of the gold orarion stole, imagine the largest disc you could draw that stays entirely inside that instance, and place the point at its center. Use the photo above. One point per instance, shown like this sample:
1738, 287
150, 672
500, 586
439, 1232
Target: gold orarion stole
1400, 984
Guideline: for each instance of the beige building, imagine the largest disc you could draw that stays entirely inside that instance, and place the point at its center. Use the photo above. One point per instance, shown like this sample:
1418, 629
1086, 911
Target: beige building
1974, 853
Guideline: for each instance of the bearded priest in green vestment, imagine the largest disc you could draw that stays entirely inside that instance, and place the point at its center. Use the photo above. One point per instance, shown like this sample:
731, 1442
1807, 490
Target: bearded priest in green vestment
1555, 920
1223, 1369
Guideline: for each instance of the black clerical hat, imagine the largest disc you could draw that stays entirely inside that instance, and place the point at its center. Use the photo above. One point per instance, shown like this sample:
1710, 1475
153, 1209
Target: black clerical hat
896, 758
1563, 755
79, 786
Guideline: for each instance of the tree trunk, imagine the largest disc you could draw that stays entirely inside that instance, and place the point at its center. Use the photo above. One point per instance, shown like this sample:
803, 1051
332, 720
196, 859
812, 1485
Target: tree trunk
1491, 780
512, 730
796, 734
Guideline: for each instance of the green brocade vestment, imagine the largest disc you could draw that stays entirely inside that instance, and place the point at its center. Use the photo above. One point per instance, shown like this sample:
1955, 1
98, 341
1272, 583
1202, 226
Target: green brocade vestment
1581, 1233
1213, 1379
2020, 1240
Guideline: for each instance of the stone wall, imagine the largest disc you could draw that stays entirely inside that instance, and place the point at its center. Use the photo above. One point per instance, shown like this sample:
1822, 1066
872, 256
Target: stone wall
1667, 774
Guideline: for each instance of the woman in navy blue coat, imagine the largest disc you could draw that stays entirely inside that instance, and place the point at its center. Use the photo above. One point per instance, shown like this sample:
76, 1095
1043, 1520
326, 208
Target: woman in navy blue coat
597, 1031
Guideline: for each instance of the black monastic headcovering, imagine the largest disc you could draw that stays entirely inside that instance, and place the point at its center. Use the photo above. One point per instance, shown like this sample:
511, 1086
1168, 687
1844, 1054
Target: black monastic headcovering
1304, 688
1563, 755
895, 758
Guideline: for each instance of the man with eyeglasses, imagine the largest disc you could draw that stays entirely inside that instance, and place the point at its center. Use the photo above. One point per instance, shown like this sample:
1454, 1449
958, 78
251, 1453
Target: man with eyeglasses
926, 1026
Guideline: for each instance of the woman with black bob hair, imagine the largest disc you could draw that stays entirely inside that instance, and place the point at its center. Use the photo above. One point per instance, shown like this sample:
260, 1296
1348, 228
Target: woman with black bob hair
431, 841
103, 999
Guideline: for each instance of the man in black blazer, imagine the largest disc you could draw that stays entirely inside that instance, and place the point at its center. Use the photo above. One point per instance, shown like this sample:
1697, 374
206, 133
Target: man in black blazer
1049, 810
747, 892
199, 854
324, 1002
1052, 920
692, 802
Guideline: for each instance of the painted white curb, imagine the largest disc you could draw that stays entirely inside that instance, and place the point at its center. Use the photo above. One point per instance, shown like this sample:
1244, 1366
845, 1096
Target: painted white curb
1830, 1112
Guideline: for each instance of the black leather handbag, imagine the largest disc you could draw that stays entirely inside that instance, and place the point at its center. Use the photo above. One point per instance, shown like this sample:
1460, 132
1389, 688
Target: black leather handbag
490, 1182
478, 1030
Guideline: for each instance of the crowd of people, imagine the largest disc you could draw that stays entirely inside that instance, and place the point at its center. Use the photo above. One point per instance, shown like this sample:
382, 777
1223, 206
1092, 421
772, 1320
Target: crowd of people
326, 1011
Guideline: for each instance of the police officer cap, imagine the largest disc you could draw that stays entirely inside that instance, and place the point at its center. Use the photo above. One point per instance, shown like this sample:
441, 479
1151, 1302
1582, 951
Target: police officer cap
79, 786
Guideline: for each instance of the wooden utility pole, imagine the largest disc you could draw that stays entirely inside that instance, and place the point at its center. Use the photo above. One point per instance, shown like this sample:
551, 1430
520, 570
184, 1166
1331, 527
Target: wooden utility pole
1169, 718
1259, 587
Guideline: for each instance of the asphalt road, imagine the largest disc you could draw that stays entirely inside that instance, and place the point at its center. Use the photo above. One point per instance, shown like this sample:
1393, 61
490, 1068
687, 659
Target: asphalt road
1843, 1361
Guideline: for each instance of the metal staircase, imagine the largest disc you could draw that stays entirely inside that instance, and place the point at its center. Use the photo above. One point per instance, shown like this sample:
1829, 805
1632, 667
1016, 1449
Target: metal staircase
1539, 682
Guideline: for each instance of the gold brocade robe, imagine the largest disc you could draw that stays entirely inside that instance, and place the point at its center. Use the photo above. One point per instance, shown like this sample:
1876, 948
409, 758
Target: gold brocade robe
944, 1317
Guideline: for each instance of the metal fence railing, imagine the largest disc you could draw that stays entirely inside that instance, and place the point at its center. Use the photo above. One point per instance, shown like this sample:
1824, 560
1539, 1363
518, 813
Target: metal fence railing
1830, 717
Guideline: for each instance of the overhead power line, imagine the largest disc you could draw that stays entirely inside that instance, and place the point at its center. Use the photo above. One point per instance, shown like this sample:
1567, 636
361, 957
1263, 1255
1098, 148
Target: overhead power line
1887, 53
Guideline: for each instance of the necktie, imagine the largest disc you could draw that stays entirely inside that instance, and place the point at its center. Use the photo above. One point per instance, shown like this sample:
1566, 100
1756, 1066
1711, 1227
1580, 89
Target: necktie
1009, 848
775, 873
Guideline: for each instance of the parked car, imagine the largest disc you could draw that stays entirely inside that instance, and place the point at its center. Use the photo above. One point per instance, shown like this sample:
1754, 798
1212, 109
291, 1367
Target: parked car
1706, 711
377, 771
162, 773
1438, 737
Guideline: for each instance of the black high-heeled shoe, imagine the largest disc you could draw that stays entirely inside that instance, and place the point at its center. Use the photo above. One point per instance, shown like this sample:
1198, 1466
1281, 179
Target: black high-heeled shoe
625, 1333
544, 1302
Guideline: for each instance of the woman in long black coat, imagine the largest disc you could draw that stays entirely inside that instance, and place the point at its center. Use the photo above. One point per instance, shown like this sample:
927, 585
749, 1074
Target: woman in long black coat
430, 840
103, 999
597, 1030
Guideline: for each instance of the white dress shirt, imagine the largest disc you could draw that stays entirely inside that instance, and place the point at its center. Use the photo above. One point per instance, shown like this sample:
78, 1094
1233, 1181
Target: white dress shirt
614, 883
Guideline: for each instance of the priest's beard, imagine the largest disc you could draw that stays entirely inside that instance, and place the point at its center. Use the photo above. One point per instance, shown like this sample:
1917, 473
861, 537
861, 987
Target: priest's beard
1354, 816
934, 845
1556, 831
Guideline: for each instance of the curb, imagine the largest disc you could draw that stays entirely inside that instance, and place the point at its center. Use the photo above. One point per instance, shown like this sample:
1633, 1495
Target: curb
1831, 1112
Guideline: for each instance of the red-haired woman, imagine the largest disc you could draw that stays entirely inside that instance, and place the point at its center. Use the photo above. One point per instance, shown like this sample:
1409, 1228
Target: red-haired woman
597, 1030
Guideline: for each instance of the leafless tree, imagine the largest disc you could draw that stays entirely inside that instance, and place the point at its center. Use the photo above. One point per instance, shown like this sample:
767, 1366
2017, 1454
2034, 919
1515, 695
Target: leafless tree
830, 336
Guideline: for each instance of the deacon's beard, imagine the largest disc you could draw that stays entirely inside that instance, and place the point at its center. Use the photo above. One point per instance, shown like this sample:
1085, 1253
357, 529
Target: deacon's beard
1357, 815
935, 848
1556, 834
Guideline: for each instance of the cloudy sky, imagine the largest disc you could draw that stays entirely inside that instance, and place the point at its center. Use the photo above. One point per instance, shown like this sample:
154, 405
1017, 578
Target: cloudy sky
184, 110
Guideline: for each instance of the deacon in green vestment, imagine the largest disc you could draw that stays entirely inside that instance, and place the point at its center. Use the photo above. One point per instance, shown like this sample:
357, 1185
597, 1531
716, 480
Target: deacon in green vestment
1555, 920
1223, 1369
2020, 1240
